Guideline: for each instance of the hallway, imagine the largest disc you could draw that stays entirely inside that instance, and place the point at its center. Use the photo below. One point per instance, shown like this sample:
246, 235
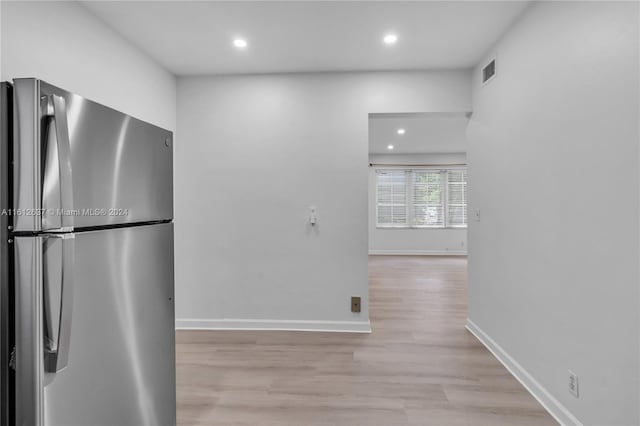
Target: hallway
419, 366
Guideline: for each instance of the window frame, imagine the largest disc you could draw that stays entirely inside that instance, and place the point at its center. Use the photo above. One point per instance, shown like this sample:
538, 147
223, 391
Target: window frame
409, 202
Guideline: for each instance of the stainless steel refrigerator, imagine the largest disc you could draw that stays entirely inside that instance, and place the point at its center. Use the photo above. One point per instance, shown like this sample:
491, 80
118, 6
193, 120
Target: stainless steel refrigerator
87, 278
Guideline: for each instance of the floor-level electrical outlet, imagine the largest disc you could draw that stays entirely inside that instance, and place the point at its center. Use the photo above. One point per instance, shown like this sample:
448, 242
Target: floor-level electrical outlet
573, 384
355, 304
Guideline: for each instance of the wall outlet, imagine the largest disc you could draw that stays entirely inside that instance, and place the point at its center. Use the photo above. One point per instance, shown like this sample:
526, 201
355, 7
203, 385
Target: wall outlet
355, 304
573, 384
476, 214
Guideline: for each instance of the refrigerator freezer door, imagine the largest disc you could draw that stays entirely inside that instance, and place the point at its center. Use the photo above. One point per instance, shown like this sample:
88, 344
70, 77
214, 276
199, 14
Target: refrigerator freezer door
120, 167
121, 362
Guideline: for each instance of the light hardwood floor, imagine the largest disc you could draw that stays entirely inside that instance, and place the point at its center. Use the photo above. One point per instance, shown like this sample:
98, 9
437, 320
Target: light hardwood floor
418, 367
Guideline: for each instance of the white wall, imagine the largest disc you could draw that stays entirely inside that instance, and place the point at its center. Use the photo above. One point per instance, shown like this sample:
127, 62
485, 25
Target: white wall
553, 166
255, 153
417, 241
64, 44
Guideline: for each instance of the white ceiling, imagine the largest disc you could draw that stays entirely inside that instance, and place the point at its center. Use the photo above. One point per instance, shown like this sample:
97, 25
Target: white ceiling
426, 133
195, 37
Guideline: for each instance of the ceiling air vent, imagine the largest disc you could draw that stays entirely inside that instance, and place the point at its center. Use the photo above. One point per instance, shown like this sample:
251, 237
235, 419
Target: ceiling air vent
489, 71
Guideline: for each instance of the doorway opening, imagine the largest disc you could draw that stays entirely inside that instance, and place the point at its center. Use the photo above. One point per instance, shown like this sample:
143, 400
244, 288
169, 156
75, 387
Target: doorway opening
418, 215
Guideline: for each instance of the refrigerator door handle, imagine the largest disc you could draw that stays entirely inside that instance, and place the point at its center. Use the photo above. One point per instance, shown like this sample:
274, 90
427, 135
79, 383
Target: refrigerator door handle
57, 109
59, 254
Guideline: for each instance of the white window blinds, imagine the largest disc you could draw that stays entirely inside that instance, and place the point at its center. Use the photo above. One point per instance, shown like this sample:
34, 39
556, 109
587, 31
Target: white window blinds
421, 198
457, 198
428, 206
391, 196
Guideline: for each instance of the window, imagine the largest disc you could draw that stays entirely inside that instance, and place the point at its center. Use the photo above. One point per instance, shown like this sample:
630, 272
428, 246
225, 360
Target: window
457, 198
421, 198
391, 196
428, 198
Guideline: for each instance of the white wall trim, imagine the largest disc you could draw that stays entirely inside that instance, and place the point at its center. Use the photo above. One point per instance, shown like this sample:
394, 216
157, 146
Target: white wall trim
417, 253
274, 325
542, 395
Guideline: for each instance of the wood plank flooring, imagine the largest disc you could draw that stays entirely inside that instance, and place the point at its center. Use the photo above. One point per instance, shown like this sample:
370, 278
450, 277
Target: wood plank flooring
418, 367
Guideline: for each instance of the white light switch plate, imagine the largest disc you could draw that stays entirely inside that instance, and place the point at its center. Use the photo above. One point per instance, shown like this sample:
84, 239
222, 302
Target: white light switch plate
573, 384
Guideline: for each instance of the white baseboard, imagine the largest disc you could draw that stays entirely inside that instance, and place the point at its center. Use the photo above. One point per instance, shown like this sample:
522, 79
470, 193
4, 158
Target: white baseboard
552, 405
417, 253
274, 325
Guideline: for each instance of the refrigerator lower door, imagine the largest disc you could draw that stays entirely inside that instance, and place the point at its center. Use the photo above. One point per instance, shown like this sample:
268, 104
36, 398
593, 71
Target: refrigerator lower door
106, 352
6, 300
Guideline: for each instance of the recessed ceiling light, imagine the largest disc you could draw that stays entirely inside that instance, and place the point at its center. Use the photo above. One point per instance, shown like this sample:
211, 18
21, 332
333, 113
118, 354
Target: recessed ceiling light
390, 38
389, 146
401, 131
240, 43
